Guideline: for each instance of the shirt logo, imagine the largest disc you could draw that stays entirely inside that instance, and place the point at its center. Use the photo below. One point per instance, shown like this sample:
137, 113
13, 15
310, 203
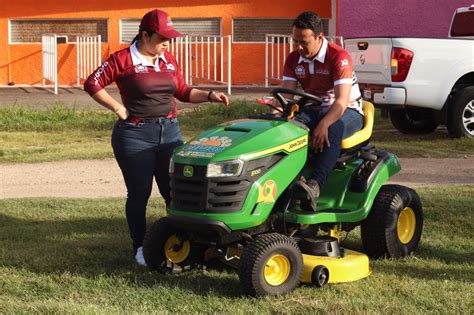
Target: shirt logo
170, 66
344, 62
99, 71
141, 69
300, 71
322, 71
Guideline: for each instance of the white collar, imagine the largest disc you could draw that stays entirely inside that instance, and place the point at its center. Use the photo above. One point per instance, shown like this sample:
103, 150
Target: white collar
138, 59
320, 56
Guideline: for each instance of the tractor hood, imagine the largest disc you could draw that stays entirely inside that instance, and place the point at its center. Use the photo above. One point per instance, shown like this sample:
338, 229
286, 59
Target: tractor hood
243, 139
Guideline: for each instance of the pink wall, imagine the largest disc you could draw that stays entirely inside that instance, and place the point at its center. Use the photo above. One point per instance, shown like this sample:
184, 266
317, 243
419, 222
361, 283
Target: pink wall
419, 18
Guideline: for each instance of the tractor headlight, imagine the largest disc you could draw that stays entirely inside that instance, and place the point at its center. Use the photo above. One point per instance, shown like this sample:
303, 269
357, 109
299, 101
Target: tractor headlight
226, 168
171, 167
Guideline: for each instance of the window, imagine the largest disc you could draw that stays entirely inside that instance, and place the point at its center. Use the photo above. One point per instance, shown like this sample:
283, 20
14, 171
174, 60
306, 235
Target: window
463, 24
254, 30
31, 30
211, 26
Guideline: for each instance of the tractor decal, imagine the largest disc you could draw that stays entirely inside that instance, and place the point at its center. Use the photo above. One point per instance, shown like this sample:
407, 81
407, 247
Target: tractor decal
287, 147
206, 147
267, 192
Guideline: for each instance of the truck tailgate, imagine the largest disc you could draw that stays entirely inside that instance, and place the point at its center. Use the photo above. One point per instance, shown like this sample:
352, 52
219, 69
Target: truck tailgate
371, 58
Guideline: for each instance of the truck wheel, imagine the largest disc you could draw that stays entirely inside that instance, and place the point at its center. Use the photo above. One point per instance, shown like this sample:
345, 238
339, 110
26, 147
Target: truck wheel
413, 120
163, 246
270, 264
394, 225
461, 114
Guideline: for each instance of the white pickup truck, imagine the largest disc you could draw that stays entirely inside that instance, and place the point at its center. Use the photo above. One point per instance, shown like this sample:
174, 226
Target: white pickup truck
422, 82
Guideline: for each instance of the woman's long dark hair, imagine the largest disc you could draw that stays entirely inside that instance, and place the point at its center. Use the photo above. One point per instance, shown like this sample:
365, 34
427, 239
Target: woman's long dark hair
139, 36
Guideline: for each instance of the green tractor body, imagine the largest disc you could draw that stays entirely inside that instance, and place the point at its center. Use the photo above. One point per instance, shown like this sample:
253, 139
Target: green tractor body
273, 155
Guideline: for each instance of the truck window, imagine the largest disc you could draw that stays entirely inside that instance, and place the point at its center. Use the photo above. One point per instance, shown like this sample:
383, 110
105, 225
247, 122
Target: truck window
463, 24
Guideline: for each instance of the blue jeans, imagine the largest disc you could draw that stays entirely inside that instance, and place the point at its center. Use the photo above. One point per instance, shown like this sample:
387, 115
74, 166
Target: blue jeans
143, 151
350, 122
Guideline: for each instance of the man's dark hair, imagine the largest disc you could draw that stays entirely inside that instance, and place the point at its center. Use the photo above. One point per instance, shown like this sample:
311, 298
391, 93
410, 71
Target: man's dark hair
309, 20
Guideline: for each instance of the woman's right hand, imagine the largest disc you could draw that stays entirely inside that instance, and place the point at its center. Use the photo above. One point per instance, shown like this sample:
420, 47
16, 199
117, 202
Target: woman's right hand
122, 113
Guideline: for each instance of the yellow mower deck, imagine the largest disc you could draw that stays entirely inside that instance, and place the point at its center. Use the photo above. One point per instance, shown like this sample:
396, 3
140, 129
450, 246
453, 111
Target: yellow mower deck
354, 266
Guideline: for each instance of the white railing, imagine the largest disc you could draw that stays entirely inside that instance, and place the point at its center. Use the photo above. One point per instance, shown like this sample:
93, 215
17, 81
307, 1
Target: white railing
89, 56
49, 53
280, 44
204, 58
277, 48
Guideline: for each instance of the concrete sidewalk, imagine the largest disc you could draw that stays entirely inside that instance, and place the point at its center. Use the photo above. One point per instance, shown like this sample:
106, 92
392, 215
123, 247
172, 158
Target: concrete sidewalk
38, 97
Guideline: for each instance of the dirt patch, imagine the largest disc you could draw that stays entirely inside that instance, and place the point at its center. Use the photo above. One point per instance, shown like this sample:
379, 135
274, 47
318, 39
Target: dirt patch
102, 178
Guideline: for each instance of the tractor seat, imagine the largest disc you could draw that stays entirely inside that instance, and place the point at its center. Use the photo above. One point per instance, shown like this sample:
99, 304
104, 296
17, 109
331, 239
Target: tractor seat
361, 137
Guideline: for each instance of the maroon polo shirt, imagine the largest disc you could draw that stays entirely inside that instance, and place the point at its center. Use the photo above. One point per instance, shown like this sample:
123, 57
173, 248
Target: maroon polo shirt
146, 90
330, 67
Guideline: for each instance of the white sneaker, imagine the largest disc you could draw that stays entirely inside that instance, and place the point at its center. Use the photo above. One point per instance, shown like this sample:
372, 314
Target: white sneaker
139, 257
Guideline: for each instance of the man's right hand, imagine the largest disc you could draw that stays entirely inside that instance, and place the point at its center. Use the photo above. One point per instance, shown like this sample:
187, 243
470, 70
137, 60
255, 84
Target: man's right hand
320, 137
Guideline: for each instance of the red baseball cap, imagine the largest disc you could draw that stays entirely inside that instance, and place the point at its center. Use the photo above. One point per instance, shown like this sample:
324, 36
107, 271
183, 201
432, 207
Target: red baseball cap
160, 22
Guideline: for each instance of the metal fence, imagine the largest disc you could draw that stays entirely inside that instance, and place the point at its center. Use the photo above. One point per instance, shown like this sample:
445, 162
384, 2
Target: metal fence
205, 59
89, 54
275, 59
49, 53
277, 48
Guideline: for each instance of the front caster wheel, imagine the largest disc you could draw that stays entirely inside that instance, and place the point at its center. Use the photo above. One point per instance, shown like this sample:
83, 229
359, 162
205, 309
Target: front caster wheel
270, 264
320, 276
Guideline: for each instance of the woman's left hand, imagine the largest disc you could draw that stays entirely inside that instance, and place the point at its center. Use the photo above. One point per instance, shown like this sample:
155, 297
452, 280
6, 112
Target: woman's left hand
219, 97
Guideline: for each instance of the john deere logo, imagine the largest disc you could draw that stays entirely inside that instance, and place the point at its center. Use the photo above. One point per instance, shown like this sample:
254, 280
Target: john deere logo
188, 171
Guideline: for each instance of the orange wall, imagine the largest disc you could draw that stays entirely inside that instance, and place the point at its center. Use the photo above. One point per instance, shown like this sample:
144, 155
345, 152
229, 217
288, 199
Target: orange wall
21, 63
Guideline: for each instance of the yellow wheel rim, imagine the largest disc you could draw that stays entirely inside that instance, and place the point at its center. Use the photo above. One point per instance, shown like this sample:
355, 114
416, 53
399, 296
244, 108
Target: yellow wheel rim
406, 225
175, 250
277, 270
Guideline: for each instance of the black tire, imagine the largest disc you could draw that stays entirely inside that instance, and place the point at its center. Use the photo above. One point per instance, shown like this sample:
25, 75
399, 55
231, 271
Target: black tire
461, 114
154, 250
381, 236
260, 254
413, 120
320, 276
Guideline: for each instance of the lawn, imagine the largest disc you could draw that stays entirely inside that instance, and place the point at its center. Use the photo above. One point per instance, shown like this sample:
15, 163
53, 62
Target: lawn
74, 256
60, 133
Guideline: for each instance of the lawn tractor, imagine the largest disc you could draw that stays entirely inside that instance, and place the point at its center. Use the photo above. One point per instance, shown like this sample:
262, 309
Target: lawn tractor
233, 199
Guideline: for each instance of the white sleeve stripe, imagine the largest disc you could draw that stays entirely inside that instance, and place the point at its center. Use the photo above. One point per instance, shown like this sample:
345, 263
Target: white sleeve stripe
343, 81
289, 79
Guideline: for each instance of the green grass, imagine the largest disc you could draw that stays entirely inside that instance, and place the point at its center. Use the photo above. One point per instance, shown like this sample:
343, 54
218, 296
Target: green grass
60, 133
74, 256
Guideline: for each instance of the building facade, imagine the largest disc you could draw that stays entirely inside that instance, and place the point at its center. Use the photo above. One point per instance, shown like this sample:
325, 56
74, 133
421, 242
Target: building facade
23, 22
406, 18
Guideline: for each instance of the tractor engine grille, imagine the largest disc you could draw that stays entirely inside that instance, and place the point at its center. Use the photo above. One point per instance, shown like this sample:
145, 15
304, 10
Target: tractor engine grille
199, 193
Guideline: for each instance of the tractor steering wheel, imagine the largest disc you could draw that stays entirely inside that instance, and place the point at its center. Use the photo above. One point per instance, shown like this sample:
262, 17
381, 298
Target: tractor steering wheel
287, 103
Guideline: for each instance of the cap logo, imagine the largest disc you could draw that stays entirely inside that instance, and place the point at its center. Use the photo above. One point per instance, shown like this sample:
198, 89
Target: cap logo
169, 22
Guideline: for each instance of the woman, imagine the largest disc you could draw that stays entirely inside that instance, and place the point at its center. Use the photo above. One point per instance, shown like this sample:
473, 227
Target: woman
147, 129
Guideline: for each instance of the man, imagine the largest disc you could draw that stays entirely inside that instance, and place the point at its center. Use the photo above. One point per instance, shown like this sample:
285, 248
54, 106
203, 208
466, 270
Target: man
325, 70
